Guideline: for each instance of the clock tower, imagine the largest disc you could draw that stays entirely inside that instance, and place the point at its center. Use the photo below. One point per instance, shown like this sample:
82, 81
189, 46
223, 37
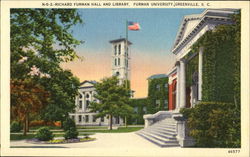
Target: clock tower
120, 59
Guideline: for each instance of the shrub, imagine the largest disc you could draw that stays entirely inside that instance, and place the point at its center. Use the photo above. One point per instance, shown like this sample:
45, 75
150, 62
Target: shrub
68, 123
71, 133
214, 124
15, 126
44, 134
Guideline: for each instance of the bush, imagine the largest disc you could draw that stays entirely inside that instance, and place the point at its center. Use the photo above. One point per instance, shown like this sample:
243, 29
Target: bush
71, 133
15, 126
44, 134
214, 124
68, 123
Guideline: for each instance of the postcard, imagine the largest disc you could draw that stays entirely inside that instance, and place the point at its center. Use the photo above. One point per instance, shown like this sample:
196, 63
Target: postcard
124, 78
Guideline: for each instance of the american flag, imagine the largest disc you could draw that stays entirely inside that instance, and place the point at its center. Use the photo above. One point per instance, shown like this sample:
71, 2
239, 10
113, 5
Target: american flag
133, 26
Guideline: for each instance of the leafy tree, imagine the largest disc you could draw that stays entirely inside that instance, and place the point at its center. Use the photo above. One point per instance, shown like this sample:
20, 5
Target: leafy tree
27, 97
41, 39
113, 99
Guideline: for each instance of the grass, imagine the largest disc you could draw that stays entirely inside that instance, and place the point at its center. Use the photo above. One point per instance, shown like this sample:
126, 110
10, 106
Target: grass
21, 137
92, 127
82, 132
50, 127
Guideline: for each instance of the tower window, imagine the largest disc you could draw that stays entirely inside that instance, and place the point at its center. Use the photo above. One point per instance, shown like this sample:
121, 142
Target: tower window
115, 49
119, 49
118, 61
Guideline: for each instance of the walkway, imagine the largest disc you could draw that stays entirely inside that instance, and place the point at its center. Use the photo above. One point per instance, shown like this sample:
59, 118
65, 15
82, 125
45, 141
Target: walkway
103, 140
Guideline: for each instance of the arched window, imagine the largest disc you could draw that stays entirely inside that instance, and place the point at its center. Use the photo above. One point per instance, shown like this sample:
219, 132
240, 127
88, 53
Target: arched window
118, 61
119, 49
117, 73
87, 103
87, 95
80, 95
115, 62
115, 49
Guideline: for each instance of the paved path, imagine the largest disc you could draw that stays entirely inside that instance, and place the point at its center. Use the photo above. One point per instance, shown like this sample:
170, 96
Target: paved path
103, 140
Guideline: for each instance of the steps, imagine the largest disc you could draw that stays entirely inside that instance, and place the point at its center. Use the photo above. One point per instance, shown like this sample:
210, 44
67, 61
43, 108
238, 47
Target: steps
162, 133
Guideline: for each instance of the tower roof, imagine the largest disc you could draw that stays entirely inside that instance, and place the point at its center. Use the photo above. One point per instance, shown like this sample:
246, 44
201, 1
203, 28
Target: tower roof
119, 40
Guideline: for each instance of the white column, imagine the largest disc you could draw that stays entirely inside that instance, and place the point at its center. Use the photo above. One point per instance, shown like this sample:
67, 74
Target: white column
182, 84
200, 74
178, 88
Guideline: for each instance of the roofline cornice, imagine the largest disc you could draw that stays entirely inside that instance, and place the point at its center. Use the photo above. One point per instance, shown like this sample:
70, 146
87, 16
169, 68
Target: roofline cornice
203, 18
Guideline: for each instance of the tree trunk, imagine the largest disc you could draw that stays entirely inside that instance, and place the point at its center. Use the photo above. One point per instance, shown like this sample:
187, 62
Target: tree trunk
24, 127
61, 124
110, 122
27, 123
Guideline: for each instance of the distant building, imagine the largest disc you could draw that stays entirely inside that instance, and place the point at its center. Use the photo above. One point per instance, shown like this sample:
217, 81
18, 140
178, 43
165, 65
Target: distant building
82, 115
157, 93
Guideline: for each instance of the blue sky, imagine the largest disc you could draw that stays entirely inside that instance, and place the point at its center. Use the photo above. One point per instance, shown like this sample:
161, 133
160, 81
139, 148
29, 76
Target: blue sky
157, 34
150, 52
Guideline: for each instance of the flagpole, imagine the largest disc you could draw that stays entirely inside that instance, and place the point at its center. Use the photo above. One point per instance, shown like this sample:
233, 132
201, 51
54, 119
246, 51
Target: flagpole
126, 54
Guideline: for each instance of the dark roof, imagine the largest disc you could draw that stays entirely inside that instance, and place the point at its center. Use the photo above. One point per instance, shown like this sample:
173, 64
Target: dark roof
119, 40
91, 81
156, 76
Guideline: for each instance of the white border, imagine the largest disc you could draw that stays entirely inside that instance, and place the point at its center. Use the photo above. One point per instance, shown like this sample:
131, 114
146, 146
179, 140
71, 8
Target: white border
5, 97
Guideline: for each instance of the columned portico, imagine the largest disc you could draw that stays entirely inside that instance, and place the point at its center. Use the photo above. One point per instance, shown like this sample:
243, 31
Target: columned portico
182, 100
178, 88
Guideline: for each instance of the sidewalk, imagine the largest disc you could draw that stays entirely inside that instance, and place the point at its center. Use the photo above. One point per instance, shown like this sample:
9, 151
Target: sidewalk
103, 140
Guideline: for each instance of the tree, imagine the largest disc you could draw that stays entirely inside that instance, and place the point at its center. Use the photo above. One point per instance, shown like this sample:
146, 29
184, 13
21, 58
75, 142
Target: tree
27, 97
62, 96
40, 40
113, 99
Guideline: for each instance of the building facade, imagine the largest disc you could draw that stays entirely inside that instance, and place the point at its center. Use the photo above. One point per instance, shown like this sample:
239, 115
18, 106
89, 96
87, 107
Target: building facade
191, 29
157, 93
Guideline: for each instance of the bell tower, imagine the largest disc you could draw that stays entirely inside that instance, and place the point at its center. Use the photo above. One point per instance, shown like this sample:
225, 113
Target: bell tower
120, 59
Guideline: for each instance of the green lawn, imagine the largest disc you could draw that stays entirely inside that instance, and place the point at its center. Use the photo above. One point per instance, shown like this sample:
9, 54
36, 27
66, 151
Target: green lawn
81, 132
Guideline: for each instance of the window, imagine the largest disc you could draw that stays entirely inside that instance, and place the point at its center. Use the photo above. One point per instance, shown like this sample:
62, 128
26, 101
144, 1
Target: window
80, 118
119, 49
73, 117
102, 119
115, 49
127, 63
87, 118
80, 104
87, 95
144, 109
117, 73
94, 119
115, 62
118, 61
165, 104
166, 85
87, 103
158, 87
157, 102
136, 109
80, 95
